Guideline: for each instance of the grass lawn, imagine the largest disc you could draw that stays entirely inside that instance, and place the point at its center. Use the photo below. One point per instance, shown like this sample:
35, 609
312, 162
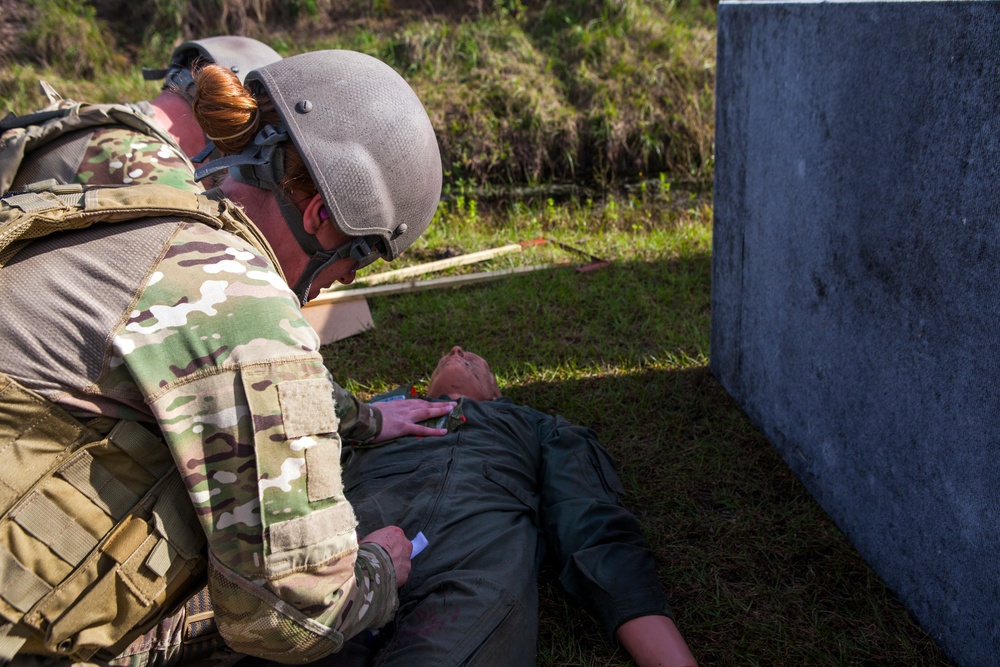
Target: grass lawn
757, 573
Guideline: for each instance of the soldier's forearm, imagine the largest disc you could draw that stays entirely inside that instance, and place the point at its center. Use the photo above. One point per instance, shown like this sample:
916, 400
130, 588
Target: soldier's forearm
359, 421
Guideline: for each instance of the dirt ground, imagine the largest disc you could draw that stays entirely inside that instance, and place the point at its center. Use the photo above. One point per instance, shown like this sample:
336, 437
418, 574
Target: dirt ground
15, 19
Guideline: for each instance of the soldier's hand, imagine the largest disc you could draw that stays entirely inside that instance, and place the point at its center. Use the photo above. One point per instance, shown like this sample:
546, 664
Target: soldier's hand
392, 539
401, 418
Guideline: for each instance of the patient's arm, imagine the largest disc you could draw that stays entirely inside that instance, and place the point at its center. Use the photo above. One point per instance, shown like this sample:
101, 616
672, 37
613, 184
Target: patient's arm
654, 641
599, 546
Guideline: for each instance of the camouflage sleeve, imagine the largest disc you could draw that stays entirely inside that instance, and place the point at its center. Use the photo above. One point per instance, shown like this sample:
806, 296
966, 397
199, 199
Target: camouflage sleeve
359, 422
231, 371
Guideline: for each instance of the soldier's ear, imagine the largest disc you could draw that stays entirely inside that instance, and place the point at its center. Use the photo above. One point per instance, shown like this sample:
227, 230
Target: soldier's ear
313, 218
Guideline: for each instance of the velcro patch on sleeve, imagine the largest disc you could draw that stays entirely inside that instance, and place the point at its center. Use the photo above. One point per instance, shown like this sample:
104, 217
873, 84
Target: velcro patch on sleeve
323, 472
320, 526
307, 407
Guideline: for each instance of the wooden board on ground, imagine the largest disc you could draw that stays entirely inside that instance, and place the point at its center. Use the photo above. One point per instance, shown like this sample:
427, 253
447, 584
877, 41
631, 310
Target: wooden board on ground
338, 313
340, 319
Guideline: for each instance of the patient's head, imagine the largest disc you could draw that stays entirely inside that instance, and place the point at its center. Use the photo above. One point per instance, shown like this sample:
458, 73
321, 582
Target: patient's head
463, 374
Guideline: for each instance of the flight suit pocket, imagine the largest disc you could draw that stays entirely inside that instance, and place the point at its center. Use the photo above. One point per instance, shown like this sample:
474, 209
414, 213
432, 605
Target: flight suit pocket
529, 500
463, 621
379, 494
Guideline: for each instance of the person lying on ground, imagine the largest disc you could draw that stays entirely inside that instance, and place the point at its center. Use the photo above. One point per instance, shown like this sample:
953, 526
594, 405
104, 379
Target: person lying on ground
507, 487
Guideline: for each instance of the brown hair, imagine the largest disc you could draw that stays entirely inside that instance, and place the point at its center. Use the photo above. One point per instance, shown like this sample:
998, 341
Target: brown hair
232, 114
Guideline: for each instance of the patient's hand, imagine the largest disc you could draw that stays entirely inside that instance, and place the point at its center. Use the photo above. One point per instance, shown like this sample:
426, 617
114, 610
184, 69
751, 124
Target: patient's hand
654, 641
400, 418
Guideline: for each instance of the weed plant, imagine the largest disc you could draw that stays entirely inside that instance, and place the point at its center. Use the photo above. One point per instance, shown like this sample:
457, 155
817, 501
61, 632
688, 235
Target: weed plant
68, 37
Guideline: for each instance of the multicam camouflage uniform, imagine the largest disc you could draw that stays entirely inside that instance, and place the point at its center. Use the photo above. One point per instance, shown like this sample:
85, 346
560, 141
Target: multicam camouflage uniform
120, 155
117, 155
110, 155
193, 330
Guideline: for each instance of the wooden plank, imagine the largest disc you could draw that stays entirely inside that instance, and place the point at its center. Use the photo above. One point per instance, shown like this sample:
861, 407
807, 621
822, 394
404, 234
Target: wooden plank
430, 267
338, 320
420, 285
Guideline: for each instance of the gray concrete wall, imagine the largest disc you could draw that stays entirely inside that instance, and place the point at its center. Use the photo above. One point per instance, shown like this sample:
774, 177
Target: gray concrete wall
856, 281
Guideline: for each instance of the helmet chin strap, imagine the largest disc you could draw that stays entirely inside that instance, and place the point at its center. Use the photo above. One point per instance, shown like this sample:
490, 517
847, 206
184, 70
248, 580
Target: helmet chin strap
262, 165
362, 250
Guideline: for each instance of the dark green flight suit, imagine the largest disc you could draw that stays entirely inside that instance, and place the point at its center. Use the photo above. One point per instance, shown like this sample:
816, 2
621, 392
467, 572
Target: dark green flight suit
493, 498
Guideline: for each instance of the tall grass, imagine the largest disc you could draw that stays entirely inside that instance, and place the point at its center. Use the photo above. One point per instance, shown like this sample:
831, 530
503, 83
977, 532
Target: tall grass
568, 91
68, 37
518, 92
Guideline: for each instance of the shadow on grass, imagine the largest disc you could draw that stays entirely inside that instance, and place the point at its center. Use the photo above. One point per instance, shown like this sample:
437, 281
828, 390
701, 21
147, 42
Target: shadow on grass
757, 573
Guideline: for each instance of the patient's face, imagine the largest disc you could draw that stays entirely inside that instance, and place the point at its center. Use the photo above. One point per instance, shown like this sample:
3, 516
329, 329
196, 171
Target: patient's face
463, 374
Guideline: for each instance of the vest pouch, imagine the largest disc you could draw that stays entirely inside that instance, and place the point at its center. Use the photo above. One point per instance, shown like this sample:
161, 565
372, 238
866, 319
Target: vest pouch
130, 580
101, 542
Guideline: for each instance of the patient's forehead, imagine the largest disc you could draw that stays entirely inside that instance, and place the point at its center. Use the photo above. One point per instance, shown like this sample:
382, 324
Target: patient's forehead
468, 363
463, 373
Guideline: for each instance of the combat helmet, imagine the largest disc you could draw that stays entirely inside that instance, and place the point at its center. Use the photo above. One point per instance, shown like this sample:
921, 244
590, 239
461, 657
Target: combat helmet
238, 54
367, 142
